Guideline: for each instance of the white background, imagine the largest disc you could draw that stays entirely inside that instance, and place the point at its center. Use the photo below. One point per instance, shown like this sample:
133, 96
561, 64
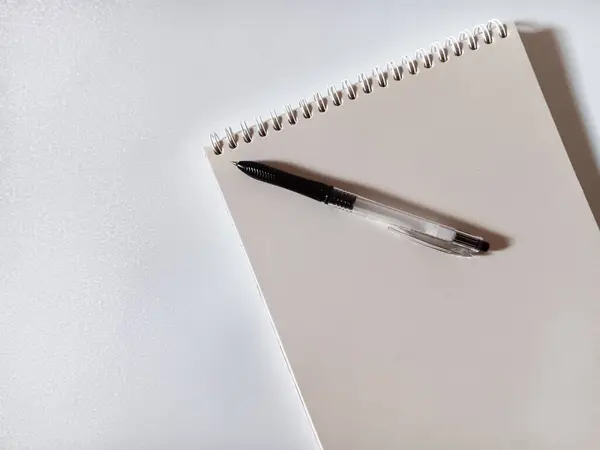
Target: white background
128, 315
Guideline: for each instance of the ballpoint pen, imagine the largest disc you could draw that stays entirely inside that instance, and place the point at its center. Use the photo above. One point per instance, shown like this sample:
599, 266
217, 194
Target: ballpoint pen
424, 231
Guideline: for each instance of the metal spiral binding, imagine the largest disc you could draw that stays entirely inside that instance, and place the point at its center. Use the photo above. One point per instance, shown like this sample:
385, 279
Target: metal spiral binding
408, 65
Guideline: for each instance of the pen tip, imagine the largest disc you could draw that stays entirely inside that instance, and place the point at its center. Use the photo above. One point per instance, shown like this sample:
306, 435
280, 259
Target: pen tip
484, 246
235, 163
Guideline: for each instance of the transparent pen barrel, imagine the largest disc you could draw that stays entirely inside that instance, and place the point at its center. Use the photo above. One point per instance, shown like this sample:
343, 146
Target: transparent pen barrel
394, 218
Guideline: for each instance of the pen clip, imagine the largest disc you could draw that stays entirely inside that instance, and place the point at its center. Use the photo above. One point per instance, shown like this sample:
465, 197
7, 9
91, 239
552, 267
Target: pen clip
435, 243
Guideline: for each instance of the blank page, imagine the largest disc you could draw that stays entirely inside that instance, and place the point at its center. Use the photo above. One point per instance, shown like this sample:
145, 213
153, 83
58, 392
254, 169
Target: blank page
397, 346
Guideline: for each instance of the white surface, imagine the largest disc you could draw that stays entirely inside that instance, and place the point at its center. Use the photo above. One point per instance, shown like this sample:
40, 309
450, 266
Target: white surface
128, 316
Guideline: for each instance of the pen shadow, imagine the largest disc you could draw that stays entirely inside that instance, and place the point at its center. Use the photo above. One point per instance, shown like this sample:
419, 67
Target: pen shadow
543, 46
496, 240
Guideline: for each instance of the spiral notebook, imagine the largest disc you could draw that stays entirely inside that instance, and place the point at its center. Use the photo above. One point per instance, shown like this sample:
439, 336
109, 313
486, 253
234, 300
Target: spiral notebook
397, 346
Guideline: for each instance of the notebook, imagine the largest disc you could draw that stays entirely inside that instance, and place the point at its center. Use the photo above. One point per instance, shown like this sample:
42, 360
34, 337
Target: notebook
397, 346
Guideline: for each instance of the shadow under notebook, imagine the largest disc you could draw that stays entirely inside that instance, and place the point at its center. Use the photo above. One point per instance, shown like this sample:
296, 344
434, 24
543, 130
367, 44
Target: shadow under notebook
544, 51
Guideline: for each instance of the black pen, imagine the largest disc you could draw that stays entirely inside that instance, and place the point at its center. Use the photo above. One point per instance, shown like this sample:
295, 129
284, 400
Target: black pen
424, 231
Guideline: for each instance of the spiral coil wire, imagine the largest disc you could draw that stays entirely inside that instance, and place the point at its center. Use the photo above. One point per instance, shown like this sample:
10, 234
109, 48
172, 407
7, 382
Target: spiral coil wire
485, 33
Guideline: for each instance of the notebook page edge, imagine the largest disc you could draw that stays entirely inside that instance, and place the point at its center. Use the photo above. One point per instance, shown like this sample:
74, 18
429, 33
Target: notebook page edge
517, 30
208, 155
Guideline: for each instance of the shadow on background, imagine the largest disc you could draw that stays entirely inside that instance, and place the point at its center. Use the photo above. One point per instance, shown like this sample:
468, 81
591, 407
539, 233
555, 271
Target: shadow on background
543, 48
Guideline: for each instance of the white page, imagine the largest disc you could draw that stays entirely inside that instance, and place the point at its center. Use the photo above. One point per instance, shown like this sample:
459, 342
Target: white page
397, 346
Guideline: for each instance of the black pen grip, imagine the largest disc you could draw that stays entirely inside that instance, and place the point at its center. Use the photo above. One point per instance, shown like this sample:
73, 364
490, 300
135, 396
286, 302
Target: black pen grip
316, 190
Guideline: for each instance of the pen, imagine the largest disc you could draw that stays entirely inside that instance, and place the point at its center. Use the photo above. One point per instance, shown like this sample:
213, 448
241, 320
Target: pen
424, 231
